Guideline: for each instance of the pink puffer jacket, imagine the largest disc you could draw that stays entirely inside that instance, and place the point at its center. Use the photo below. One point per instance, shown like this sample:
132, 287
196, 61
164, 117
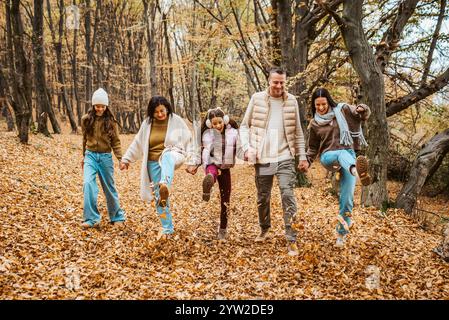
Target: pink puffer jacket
213, 147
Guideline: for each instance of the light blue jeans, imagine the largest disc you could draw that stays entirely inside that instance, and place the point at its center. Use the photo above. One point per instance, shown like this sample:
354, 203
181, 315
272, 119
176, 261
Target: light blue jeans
345, 158
163, 173
103, 165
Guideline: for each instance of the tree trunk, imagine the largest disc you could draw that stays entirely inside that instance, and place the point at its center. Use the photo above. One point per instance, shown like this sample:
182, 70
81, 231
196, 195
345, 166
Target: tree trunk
89, 57
75, 74
20, 70
194, 106
276, 56
131, 122
425, 164
5, 112
43, 104
149, 17
57, 45
170, 61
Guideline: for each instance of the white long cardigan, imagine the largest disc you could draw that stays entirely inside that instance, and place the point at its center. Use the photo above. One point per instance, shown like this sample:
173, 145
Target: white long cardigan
178, 141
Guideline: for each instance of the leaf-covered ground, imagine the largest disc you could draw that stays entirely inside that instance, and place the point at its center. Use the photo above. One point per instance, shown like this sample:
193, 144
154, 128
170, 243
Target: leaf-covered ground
44, 254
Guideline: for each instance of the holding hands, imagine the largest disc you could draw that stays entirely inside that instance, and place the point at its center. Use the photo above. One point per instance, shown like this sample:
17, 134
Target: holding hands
192, 169
303, 165
123, 165
360, 109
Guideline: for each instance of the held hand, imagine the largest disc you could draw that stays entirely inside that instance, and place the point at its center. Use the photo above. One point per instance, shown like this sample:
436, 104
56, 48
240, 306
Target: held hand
360, 109
124, 166
192, 169
303, 165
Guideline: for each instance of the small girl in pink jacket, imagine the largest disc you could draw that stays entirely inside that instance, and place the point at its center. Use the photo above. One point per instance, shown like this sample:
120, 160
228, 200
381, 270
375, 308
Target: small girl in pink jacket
219, 140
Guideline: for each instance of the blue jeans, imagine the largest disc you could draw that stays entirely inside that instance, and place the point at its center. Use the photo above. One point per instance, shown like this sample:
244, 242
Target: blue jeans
162, 173
345, 158
103, 165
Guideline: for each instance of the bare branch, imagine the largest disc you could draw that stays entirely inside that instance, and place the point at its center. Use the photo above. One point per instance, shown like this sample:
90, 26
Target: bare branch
434, 42
391, 37
423, 92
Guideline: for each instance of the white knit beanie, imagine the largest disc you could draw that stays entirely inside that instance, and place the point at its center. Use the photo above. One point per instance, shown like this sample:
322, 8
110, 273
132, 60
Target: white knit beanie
100, 97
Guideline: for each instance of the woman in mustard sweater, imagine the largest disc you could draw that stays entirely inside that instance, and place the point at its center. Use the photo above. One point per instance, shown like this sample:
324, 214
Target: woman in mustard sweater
164, 143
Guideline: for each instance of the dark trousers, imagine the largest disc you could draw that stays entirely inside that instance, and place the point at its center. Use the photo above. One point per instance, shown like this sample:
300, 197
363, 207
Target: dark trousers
224, 183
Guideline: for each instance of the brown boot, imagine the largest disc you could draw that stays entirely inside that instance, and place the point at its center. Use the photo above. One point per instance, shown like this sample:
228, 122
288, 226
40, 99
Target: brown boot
208, 182
163, 195
361, 164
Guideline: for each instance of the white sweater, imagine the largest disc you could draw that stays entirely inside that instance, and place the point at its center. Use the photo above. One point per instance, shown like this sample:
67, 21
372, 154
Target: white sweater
275, 147
177, 139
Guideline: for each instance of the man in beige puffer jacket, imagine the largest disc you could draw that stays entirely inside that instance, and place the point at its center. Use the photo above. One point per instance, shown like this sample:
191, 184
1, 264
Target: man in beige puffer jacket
271, 137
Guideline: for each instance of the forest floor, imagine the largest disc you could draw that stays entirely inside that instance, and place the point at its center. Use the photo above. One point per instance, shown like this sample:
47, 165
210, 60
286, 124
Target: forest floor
45, 254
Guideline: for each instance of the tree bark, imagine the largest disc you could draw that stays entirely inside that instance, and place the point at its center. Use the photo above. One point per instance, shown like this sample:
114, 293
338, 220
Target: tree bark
275, 52
149, 17
4, 102
89, 57
20, 70
425, 164
57, 45
170, 61
43, 102
75, 74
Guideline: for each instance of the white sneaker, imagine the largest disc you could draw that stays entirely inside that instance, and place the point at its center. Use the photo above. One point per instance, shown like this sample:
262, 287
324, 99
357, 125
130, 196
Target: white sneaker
222, 234
262, 236
87, 225
162, 237
292, 249
344, 224
341, 240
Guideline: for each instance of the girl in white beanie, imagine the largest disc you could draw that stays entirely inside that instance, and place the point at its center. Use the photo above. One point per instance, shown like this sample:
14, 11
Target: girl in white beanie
100, 137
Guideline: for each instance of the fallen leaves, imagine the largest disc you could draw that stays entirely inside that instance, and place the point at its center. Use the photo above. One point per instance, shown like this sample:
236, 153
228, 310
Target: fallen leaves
45, 254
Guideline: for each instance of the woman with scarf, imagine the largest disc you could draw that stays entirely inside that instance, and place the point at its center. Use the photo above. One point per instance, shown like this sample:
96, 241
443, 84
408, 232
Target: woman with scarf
335, 133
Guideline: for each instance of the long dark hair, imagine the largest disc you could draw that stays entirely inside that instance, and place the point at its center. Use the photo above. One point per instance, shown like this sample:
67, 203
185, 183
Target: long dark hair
156, 101
213, 113
321, 93
108, 125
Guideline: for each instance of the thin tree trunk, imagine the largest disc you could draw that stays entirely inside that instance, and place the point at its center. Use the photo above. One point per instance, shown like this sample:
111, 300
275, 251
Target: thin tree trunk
4, 102
149, 17
89, 57
170, 61
75, 74
57, 45
39, 70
